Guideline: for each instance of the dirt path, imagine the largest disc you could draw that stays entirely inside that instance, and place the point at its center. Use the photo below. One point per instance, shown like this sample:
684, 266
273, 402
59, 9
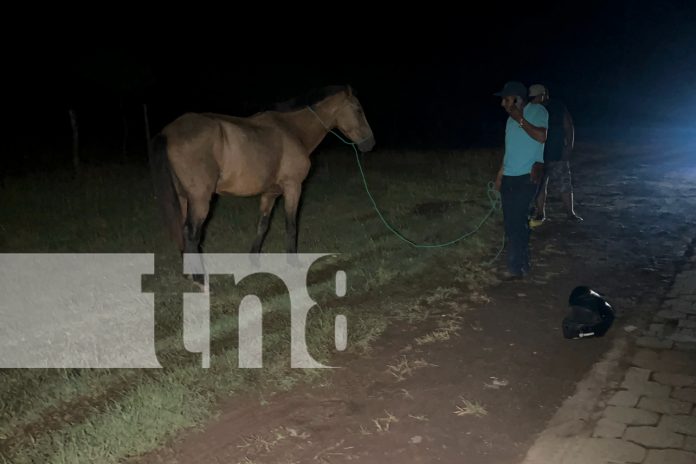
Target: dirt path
481, 395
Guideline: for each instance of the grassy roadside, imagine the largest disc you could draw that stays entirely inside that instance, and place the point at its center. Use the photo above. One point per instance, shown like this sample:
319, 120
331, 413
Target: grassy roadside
61, 416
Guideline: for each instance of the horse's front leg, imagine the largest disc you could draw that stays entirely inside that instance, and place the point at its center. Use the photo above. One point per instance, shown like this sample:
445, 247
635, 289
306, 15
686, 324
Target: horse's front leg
267, 202
291, 196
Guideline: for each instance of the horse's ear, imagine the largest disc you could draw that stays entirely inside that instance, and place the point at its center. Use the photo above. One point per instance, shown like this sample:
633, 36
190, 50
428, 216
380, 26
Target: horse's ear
349, 90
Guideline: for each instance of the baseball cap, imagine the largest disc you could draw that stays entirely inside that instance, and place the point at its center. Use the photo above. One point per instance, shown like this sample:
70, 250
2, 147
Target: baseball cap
537, 89
513, 89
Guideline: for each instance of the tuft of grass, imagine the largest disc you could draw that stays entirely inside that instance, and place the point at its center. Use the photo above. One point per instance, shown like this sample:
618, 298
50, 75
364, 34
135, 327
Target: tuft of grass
469, 408
382, 424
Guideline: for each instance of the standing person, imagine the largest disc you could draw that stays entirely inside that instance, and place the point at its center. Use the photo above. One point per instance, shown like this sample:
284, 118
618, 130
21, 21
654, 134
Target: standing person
521, 171
557, 150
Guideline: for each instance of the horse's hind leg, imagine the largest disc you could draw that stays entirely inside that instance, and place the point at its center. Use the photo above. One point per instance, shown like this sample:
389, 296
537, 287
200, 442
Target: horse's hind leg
291, 196
197, 211
267, 202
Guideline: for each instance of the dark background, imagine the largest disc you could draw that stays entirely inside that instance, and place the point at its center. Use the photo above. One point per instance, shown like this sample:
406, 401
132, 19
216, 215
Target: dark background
426, 82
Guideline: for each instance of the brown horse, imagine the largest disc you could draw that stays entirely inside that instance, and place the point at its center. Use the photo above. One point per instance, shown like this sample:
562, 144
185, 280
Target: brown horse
266, 154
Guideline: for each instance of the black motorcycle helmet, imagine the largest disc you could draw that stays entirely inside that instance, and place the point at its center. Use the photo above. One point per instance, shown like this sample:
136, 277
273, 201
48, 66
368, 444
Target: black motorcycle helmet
590, 314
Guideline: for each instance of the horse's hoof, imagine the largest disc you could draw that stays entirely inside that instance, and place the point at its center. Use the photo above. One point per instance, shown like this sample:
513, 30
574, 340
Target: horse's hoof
255, 259
293, 260
199, 281
203, 287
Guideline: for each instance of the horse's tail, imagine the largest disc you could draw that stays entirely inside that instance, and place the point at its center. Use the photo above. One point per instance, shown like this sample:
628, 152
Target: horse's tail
165, 191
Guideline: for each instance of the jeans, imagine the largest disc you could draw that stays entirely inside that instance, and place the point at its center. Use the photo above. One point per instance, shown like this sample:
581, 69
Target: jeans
517, 193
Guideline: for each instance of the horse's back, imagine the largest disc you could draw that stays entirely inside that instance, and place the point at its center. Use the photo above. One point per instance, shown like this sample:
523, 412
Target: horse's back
190, 128
245, 155
252, 154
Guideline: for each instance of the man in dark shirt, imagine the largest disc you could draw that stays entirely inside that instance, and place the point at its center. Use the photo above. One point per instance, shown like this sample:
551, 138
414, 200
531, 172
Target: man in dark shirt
557, 149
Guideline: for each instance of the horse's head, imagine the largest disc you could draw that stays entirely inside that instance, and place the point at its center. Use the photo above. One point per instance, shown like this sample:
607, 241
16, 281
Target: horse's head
350, 119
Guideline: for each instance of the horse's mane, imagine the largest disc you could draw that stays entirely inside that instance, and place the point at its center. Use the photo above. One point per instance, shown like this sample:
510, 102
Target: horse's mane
309, 98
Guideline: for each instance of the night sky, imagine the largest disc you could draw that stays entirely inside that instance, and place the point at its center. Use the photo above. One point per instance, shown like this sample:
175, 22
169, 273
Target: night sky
423, 84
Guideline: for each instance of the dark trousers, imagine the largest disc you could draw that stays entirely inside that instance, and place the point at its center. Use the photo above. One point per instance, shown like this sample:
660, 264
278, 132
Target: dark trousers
517, 193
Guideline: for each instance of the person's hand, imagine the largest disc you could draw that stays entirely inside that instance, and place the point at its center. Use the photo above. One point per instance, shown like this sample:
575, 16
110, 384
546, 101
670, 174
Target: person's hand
537, 172
498, 180
514, 112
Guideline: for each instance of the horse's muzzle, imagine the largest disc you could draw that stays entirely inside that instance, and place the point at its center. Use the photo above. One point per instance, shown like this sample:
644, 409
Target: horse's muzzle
367, 144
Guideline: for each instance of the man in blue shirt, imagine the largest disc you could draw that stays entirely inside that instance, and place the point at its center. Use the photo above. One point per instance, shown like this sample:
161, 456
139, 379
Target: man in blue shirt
522, 170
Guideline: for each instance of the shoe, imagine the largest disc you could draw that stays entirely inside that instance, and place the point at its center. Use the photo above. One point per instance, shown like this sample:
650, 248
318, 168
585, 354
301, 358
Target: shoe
536, 221
574, 218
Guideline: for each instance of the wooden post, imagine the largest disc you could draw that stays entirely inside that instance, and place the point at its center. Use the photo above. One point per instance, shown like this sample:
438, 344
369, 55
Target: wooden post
76, 141
124, 119
147, 130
